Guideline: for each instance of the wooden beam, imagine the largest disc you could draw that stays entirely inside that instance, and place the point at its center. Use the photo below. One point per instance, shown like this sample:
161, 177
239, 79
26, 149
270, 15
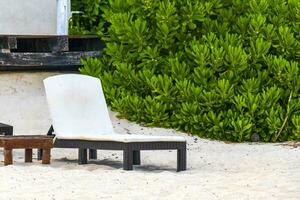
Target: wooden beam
49, 36
47, 52
44, 59
51, 43
85, 44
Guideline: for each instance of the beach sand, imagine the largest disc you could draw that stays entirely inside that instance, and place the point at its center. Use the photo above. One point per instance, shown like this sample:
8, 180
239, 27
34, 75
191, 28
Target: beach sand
216, 170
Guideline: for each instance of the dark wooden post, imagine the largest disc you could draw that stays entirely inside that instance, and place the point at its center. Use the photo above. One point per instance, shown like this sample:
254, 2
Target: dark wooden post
6, 129
59, 44
7, 43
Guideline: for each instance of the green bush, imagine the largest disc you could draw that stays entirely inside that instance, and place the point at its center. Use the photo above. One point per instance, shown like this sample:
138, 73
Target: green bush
218, 69
88, 18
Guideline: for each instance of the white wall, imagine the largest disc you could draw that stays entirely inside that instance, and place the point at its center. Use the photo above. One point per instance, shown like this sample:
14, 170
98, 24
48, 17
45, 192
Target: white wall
28, 17
25, 103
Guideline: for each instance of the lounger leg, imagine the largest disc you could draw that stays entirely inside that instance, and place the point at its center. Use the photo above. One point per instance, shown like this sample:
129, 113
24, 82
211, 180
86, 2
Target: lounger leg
82, 156
92, 153
137, 157
127, 158
8, 157
39, 154
28, 155
181, 158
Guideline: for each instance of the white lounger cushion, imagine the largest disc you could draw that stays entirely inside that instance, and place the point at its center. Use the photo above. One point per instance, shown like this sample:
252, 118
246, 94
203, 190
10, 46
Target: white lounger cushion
77, 105
126, 138
78, 110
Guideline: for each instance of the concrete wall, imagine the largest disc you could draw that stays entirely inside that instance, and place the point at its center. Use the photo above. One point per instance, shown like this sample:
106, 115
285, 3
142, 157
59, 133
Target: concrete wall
23, 102
28, 17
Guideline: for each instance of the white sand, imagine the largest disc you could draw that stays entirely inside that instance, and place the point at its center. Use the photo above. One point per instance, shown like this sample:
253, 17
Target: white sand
215, 170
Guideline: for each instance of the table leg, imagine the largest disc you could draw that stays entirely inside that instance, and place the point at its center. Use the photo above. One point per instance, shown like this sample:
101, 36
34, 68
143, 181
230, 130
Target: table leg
8, 157
39, 154
28, 155
46, 156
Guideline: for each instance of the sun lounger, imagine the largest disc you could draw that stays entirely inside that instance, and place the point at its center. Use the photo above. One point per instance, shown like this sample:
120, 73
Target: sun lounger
80, 119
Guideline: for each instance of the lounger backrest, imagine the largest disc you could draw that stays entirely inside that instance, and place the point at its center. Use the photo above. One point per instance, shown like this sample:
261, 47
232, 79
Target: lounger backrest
77, 105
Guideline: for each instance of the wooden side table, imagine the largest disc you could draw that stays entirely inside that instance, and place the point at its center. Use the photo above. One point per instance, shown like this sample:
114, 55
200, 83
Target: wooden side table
28, 143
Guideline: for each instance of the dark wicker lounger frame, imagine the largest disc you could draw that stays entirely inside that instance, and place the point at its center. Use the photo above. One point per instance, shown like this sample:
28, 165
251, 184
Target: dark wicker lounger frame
131, 151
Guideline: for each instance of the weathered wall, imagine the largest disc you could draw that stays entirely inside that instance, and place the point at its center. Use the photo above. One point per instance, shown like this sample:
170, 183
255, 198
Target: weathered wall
23, 102
28, 17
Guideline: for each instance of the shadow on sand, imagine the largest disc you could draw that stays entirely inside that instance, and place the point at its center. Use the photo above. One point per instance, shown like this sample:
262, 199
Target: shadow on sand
108, 164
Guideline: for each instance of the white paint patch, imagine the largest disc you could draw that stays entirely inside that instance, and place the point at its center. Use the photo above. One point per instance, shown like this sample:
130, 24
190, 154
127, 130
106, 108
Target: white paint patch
28, 17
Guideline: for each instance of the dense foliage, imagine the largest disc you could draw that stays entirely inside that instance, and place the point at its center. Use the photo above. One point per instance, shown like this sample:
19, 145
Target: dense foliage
220, 69
87, 17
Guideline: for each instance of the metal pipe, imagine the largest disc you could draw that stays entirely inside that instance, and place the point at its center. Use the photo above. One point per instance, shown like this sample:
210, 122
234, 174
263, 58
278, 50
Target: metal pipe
63, 15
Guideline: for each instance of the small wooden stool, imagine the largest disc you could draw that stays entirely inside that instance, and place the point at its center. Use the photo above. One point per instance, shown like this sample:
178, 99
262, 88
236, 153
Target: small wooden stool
28, 143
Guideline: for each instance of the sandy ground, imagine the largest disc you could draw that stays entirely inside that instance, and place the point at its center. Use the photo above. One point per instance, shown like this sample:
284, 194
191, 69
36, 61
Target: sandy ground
215, 170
